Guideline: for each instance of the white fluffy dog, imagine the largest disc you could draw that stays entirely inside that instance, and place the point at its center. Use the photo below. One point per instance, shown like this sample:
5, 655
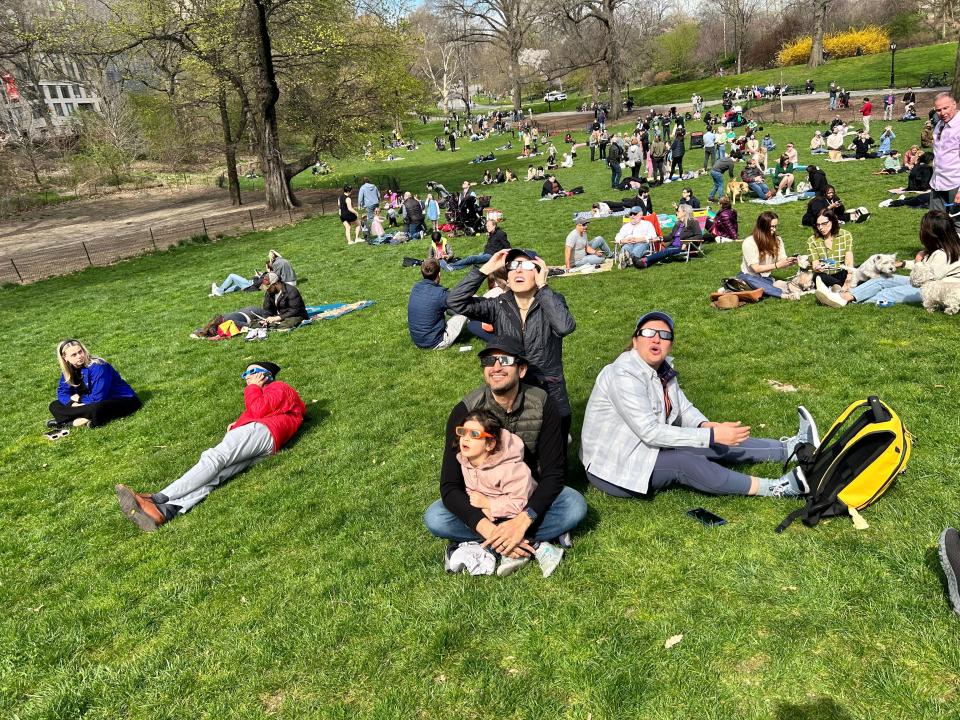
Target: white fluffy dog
878, 265
936, 294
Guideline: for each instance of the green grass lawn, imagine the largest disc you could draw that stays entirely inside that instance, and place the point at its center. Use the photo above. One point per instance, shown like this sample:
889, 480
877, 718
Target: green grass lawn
308, 587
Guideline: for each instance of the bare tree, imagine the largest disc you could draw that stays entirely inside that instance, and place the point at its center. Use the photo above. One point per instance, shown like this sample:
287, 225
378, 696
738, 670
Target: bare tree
503, 23
740, 14
439, 59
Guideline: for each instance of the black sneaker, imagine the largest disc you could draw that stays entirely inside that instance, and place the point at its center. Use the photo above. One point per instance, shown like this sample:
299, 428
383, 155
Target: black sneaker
52, 424
950, 559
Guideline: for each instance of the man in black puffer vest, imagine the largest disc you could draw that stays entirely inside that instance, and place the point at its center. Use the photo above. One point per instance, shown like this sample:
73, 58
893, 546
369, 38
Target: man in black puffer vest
529, 412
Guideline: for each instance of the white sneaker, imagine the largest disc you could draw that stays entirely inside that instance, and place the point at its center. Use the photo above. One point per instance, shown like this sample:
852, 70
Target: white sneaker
808, 432
215, 290
828, 298
885, 203
509, 565
549, 557
471, 558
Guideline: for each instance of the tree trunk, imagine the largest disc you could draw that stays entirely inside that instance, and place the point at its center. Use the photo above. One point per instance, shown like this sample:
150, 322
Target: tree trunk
276, 183
515, 80
955, 90
229, 149
613, 74
819, 21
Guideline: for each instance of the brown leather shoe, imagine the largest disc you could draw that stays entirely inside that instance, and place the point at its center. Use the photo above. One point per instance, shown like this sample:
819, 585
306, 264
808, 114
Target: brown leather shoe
141, 510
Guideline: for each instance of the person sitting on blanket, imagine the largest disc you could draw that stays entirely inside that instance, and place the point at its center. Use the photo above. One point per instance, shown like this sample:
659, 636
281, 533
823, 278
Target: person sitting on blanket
686, 229
891, 164
763, 252
912, 156
783, 175
829, 201
861, 146
752, 175
636, 236
282, 303
817, 144
579, 250
686, 198
551, 187
273, 412
440, 249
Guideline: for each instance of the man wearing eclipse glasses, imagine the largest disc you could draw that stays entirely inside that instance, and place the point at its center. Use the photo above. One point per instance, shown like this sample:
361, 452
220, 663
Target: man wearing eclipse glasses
553, 510
273, 412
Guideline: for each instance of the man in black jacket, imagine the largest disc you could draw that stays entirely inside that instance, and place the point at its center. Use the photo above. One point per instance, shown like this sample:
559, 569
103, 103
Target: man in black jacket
282, 302
496, 241
553, 510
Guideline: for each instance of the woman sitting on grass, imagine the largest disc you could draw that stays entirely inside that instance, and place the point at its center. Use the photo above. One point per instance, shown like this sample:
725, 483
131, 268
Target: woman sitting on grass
725, 227
763, 252
912, 156
685, 230
783, 175
499, 483
828, 200
938, 260
641, 434
831, 251
90, 391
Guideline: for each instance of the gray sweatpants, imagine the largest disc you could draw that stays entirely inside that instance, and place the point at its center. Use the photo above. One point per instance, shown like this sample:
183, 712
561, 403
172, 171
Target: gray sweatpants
240, 448
697, 468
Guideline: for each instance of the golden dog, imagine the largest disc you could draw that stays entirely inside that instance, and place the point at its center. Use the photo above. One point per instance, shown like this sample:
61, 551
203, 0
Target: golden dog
736, 188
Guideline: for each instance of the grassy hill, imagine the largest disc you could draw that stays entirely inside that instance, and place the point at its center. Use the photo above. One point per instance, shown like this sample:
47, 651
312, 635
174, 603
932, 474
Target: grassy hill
308, 587
855, 73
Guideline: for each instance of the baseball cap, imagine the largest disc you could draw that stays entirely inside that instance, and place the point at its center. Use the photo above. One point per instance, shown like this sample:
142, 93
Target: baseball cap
506, 345
655, 315
519, 253
636, 210
269, 279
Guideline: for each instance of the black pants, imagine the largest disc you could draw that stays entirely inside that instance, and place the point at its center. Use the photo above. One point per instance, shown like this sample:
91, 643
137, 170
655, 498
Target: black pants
676, 164
830, 279
97, 413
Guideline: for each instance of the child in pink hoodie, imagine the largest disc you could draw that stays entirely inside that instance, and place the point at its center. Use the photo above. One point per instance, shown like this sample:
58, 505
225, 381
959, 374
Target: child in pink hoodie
499, 482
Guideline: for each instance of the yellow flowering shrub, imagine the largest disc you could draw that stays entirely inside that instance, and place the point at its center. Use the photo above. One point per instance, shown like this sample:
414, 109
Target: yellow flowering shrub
870, 39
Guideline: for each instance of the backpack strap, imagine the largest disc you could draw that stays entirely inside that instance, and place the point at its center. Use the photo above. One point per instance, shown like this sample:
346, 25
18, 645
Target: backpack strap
788, 521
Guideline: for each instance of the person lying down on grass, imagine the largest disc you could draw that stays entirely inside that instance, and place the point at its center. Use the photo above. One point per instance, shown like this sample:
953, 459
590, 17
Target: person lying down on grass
225, 326
273, 412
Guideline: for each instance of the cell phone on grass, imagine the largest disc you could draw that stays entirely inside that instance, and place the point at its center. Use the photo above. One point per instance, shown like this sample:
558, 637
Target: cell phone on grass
706, 517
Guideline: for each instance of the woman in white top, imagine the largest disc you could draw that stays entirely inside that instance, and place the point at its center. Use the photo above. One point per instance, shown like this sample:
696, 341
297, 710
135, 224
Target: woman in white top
938, 260
763, 252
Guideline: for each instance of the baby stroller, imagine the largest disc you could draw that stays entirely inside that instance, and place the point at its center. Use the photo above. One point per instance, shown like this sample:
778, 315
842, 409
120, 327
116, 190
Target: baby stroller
467, 216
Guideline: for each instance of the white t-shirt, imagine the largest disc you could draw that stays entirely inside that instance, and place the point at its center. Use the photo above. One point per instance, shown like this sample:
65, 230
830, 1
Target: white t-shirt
630, 233
751, 256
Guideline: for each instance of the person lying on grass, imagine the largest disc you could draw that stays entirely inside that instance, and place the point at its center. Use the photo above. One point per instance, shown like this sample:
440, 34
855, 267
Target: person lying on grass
939, 259
273, 412
641, 434
550, 512
275, 262
219, 327
90, 392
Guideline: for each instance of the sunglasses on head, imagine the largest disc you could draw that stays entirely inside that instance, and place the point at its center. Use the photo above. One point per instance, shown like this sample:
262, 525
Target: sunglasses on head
504, 360
650, 332
474, 434
522, 265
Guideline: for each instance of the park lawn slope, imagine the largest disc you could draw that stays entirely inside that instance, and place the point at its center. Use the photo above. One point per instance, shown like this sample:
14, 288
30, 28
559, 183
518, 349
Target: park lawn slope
308, 587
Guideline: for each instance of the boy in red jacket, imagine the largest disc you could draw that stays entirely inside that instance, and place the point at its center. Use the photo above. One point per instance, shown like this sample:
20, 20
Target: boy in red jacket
272, 415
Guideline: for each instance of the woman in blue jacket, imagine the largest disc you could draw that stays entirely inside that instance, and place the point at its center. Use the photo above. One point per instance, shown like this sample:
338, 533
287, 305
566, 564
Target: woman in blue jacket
90, 392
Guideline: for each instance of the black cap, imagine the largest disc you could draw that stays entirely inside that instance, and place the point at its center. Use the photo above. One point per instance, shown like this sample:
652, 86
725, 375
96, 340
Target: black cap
518, 253
507, 345
270, 367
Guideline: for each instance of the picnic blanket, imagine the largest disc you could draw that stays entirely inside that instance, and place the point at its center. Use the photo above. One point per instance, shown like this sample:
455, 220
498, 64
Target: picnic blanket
561, 270
334, 310
781, 199
588, 215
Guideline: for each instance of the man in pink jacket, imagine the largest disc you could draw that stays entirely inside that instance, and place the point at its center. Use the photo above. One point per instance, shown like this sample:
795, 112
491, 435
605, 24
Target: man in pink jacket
273, 412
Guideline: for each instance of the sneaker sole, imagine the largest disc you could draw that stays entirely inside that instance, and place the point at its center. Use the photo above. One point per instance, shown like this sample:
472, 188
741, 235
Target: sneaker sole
813, 424
131, 510
953, 591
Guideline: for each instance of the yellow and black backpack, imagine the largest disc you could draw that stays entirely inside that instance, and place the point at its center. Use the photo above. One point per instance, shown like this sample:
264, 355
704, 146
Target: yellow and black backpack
857, 460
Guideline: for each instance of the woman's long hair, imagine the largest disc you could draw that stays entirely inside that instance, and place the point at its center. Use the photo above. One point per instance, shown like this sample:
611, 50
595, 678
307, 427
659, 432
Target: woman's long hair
210, 329
71, 375
765, 237
937, 232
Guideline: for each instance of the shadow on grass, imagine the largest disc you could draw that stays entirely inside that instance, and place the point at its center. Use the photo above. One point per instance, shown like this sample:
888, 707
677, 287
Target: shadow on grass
817, 709
316, 413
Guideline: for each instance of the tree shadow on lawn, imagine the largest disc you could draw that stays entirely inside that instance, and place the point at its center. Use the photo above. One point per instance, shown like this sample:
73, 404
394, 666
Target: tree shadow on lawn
932, 558
817, 709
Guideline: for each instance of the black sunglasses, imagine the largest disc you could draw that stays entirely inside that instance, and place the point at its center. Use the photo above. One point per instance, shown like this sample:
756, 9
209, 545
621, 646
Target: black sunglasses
650, 332
491, 360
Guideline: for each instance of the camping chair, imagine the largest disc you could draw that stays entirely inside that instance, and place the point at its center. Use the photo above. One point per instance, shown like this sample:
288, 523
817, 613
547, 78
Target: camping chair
624, 259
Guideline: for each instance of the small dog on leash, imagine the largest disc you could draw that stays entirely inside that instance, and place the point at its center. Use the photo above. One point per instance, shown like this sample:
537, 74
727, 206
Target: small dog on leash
736, 188
879, 265
936, 294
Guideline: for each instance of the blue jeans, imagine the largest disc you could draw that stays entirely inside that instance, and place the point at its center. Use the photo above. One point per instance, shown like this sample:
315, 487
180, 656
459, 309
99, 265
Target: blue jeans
721, 151
614, 175
637, 250
566, 512
370, 209
717, 190
833, 102
886, 291
759, 189
662, 255
234, 282
759, 282
468, 261
598, 243
413, 229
